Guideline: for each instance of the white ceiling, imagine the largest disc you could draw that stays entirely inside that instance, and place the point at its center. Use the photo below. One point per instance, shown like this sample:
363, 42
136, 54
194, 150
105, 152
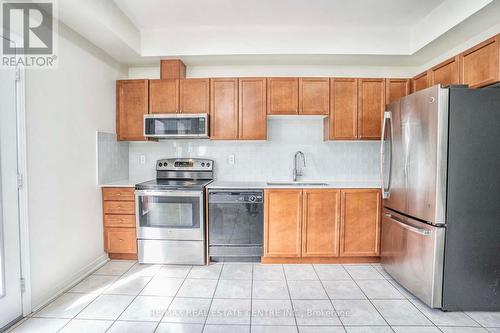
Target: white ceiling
169, 14
326, 31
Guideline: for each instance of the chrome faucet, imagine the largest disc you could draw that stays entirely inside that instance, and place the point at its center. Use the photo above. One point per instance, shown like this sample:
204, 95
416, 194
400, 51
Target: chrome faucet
298, 171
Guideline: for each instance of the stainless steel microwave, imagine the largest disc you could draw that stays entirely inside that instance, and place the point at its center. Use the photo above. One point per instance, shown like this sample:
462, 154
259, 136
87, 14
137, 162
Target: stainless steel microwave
175, 126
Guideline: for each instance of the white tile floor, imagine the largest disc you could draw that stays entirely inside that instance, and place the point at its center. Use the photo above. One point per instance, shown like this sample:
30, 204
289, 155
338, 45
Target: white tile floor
124, 296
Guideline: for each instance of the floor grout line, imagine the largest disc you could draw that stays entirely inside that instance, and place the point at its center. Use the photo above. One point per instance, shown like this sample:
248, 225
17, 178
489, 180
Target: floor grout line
290, 297
173, 298
369, 300
213, 295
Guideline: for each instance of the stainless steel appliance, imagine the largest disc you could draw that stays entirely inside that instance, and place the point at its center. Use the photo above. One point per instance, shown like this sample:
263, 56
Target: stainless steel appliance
440, 162
171, 211
175, 126
235, 224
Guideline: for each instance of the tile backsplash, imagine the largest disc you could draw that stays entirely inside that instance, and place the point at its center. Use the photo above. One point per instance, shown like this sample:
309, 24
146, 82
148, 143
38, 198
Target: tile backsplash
112, 158
271, 159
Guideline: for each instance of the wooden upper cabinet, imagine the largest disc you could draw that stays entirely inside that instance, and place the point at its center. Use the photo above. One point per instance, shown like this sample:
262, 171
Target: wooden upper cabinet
282, 223
343, 119
224, 109
479, 66
360, 222
131, 106
282, 95
164, 96
172, 69
320, 224
445, 73
314, 96
395, 89
194, 95
420, 82
252, 109
371, 106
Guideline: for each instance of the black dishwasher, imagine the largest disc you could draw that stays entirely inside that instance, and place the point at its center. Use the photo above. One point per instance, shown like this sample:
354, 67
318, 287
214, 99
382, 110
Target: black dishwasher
235, 225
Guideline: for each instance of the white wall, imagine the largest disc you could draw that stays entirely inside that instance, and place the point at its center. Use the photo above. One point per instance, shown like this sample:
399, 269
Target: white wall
65, 107
271, 159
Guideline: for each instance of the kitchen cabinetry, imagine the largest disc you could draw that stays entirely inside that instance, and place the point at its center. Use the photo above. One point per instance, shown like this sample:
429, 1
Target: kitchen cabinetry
320, 224
224, 109
420, 82
371, 106
252, 108
480, 65
342, 124
172, 69
164, 96
360, 222
238, 109
395, 89
314, 96
283, 95
119, 222
445, 73
282, 223
131, 106
194, 96
326, 225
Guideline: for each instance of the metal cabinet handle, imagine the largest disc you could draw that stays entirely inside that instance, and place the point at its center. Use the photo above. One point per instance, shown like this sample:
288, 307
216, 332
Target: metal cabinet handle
411, 228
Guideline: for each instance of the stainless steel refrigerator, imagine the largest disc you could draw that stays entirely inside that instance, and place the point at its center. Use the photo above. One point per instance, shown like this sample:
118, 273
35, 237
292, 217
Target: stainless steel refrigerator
440, 165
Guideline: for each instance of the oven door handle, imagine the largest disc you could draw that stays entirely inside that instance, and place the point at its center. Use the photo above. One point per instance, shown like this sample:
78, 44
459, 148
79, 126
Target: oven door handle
169, 193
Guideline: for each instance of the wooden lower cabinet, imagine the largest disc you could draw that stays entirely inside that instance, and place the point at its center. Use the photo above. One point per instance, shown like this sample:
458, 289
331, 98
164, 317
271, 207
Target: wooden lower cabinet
120, 240
321, 225
282, 223
360, 222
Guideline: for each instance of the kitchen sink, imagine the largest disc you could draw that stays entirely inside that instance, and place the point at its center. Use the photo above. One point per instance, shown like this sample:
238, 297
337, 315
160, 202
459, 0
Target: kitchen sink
297, 184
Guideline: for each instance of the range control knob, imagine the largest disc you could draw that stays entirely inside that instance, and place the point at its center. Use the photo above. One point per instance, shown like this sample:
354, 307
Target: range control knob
252, 198
202, 164
161, 164
208, 165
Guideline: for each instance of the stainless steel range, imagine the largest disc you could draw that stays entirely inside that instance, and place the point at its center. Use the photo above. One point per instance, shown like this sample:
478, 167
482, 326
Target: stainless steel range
171, 210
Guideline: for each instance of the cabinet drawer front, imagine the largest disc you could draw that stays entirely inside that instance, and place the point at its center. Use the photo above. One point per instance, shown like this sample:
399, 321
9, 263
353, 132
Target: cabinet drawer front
120, 240
119, 221
119, 207
118, 194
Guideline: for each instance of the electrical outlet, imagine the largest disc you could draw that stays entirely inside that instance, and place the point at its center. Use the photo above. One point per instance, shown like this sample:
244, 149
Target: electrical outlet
142, 159
230, 159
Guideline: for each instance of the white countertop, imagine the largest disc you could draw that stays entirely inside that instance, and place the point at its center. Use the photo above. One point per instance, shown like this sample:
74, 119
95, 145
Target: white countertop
123, 183
330, 184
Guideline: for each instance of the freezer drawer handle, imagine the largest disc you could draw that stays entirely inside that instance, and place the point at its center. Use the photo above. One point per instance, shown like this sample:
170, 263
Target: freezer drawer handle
420, 231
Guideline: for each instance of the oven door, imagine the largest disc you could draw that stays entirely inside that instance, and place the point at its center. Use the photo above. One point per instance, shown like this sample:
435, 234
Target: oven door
174, 215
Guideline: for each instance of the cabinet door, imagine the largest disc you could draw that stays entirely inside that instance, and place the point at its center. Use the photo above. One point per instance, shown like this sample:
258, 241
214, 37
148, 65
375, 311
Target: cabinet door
420, 82
252, 109
194, 95
320, 224
445, 73
343, 119
360, 223
395, 89
163, 96
131, 106
480, 64
282, 223
283, 95
120, 240
371, 106
224, 109
314, 95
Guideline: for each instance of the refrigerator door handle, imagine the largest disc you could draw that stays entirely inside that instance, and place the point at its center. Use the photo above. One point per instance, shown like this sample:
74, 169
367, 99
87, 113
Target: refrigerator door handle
408, 227
385, 191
